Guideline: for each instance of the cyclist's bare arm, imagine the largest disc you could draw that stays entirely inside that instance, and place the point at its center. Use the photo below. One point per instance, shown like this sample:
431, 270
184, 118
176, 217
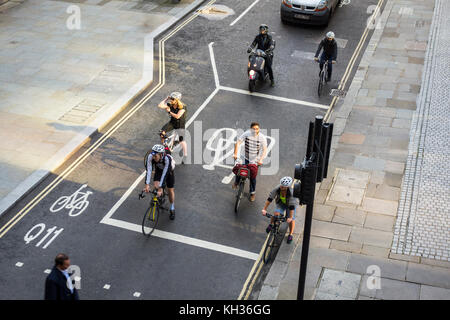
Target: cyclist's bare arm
236, 148
162, 104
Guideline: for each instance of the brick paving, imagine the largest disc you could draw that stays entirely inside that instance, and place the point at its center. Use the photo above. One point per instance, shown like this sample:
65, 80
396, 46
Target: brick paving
387, 159
423, 224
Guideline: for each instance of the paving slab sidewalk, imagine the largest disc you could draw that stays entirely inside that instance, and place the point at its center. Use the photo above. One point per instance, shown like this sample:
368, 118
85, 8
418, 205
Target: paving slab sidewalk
65, 73
379, 150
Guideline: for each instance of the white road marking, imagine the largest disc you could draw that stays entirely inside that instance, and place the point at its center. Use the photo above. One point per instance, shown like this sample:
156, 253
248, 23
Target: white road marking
137, 294
213, 63
243, 13
19, 264
183, 239
200, 109
47, 271
211, 96
267, 96
106, 286
123, 198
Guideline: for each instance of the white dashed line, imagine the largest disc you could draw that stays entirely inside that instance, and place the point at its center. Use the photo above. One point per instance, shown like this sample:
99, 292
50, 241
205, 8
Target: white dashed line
243, 13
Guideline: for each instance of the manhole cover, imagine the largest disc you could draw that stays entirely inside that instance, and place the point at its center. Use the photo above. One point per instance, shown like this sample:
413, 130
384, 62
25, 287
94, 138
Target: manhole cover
338, 93
216, 12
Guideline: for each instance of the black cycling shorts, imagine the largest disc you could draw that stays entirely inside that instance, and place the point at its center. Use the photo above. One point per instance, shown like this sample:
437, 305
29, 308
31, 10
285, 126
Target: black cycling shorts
168, 127
169, 180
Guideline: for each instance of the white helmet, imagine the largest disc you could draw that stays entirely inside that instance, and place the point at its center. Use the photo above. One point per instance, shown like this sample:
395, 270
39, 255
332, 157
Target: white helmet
158, 148
330, 34
286, 181
175, 95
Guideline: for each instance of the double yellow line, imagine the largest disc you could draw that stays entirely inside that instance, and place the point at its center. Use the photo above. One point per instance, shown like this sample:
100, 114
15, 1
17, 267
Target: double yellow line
251, 279
354, 57
161, 82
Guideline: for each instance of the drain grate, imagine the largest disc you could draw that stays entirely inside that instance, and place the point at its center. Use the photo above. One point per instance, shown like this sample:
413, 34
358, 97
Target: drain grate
338, 93
82, 111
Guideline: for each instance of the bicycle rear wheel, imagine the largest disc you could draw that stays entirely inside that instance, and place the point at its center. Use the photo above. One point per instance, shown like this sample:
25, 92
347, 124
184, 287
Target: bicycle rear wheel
269, 249
150, 219
239, 196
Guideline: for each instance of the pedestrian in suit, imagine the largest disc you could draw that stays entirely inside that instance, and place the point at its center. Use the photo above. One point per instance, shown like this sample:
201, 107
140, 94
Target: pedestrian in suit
59, 285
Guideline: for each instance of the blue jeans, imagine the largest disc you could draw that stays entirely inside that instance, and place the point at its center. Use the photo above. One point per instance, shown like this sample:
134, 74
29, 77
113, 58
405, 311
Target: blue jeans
252, 181
323, 58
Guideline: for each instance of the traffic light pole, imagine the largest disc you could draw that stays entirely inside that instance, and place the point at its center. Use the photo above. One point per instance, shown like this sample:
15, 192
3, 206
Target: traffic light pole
312, 153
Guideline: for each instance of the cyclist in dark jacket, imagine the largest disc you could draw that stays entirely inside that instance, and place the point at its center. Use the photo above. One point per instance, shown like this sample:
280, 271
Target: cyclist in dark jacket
264, 42
329, 46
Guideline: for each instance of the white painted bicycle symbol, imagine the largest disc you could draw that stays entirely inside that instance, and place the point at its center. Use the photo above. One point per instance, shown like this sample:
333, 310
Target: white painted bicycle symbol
76, 203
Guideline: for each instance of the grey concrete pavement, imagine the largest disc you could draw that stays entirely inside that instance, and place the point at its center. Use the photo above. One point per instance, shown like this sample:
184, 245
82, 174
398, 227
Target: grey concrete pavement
380, 224
64, 73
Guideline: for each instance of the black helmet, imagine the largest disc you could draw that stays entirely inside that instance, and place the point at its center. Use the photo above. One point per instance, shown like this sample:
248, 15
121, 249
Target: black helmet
263, 27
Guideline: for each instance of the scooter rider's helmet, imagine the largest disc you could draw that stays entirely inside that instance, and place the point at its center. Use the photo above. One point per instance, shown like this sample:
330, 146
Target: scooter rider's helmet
263, 29
330, 35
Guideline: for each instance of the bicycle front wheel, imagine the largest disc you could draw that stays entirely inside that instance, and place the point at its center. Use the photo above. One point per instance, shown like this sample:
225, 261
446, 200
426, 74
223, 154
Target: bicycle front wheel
320, 86
150, 219
268, 250
239, 197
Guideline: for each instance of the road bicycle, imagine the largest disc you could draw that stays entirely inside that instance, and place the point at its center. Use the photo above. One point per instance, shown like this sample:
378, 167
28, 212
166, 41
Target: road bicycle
77, 202
322, 77
152, 213
275, 237
171, 141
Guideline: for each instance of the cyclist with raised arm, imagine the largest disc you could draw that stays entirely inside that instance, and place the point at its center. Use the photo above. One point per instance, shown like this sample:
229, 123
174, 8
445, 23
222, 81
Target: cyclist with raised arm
285, 203
329, 54
177, 112
162, 170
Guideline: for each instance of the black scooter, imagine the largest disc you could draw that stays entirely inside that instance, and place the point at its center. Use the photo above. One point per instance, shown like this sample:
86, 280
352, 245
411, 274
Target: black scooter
256, 68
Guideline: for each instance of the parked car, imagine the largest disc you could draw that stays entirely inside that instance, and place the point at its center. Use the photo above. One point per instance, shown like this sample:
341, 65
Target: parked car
317, 12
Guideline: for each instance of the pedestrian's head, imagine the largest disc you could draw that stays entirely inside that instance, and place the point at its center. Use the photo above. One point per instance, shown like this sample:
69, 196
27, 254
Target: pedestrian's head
254, 126
62, 261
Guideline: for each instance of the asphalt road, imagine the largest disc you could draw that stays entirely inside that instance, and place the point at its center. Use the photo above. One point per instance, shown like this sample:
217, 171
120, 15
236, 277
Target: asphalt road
105, 240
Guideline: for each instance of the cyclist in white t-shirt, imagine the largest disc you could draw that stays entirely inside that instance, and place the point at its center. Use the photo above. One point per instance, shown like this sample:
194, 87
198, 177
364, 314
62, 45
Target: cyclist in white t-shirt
255, 152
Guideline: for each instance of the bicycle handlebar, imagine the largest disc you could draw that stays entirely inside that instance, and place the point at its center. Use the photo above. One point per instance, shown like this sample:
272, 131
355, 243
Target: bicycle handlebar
279, 217
142, 194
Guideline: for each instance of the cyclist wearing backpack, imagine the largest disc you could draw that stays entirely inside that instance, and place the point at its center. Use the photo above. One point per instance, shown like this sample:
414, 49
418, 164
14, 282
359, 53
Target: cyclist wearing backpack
177, 112
162, 169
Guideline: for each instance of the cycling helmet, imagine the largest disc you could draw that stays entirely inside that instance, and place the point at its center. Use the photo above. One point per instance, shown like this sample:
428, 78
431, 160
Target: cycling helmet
158, 148
263, 27
286, 181
175, 95
330, 34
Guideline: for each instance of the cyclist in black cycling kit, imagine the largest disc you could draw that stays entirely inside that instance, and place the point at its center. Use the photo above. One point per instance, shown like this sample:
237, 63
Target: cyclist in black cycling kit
162, 169
177, 112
